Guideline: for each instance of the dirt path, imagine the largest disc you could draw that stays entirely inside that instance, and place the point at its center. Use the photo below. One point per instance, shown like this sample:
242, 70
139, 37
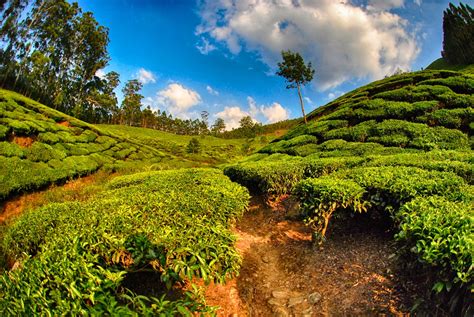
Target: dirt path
283, 275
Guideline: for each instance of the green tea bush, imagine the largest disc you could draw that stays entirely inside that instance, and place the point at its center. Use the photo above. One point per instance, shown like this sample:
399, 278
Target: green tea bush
87, 136
42, 152
452, 101
272, 178
16, 126
75, 256
439, 234
4, 132
459, 84
48, 137
10, 149
321, 197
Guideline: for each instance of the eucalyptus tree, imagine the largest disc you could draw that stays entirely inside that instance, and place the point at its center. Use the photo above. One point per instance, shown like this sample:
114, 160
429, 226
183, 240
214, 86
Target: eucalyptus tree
296, 73
132, 102
51, 49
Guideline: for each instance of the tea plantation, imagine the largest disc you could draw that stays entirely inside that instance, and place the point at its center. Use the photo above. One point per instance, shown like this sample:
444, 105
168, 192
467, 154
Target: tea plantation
75, 257
399, 148
40, 146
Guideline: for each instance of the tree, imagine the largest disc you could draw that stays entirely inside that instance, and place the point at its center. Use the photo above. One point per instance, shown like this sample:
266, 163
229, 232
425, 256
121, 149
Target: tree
458, 29
132, 102
218, 126
248, 127
50, 50
193, 146
296, 73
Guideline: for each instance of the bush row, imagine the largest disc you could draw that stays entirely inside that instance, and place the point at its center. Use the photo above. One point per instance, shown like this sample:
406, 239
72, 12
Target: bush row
75, 256
432, 211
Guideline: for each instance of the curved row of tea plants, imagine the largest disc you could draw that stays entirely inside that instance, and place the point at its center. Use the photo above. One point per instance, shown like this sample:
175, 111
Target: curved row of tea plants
40, 146
423, 110
277, 174
74, 257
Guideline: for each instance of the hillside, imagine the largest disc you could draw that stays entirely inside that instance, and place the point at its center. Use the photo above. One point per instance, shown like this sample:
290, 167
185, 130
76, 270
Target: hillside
40, 146
441, 64
398, 150
422, 111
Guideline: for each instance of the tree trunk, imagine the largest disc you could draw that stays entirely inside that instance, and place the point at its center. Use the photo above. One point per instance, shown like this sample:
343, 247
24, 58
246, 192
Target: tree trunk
301, 102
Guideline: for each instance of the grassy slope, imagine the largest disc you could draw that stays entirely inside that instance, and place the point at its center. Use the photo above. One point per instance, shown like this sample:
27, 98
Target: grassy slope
40, 146
213, 150
440, 63
422, 111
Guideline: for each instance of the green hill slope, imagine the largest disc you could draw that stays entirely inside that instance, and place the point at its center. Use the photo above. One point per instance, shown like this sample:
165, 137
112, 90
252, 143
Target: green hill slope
440, 63
400, 148
40, 146
423, 110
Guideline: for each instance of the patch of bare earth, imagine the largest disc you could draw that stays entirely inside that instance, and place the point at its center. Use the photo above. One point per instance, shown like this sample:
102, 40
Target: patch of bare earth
17, 205
64, 124
284, 275
23, 141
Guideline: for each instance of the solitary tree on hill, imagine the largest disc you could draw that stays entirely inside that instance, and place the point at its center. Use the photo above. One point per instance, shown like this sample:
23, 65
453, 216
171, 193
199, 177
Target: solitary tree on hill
458, 29
296, 73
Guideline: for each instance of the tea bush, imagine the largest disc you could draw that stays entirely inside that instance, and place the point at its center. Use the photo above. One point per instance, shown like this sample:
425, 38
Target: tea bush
75, 256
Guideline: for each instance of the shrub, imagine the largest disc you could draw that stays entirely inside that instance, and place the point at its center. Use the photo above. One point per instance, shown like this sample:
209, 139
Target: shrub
439, 234
42, 152
4, 132
321, 197
48, 137
193, 146
74, 256
9, 149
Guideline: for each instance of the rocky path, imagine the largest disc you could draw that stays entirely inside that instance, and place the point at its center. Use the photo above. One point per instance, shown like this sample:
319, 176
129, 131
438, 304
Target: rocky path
283, 275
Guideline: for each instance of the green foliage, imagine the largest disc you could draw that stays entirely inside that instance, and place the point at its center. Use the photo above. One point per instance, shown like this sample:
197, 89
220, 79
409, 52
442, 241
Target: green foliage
193, 146
9, 149
458, 29
321, 197
442, 64
75, 256
3, 132
438, 233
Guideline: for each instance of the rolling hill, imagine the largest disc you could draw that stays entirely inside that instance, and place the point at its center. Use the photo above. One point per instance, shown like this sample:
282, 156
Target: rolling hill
40, 146
398, 149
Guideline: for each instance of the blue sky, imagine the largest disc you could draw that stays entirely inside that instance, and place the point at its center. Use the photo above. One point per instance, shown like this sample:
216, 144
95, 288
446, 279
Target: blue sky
220, 55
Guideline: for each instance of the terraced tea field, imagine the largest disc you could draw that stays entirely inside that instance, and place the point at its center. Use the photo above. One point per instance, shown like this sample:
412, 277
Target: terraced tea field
365, 209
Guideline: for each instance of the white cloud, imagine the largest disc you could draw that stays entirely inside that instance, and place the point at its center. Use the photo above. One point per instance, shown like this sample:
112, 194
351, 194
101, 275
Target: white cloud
274, 113
342, 40
100, 73
335, 94
177, 99
232, 116
205, 47
308, 100
385, 4
145, 76
212, 91
271, 113
418, 2
253, 109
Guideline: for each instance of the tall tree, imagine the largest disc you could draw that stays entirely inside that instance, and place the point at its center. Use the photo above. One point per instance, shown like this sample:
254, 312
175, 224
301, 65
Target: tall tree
458, 28
296, 73
218, 126
132, 102
50, 49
